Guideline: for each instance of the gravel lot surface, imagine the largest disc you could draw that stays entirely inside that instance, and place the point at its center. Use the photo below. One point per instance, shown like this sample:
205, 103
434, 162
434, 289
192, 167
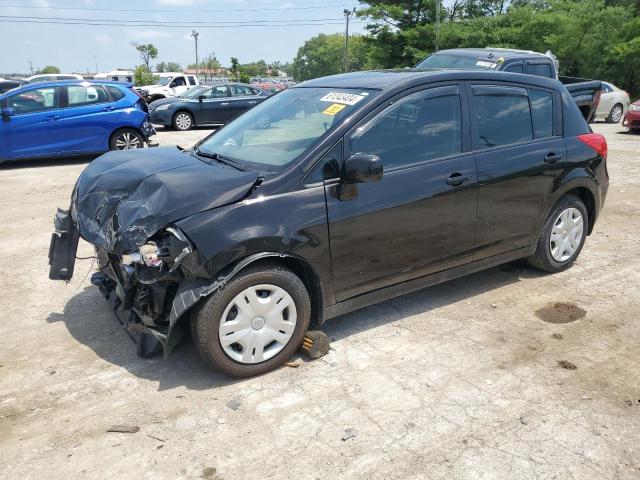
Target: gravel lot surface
505, 374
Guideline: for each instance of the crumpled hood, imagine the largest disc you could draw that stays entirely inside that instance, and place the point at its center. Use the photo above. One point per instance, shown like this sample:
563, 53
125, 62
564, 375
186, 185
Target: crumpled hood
124, 197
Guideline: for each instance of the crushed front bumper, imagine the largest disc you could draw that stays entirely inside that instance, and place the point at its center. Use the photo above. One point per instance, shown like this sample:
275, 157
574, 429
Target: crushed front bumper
63, 247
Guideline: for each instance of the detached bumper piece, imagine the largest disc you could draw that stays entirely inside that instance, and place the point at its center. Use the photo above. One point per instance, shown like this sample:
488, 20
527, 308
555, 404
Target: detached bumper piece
63, 247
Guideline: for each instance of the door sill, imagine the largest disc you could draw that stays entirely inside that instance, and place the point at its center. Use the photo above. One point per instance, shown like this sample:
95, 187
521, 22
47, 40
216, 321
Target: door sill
410, 286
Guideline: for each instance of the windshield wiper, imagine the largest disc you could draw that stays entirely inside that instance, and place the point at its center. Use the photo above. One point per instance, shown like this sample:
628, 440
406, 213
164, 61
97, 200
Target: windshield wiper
220, 158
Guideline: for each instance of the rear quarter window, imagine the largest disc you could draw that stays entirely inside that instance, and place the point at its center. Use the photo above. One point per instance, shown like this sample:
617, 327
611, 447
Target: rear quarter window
115, 92
542, 113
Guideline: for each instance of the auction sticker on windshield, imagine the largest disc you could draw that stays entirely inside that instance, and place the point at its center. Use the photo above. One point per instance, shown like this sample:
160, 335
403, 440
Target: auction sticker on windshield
340, 97
334, 108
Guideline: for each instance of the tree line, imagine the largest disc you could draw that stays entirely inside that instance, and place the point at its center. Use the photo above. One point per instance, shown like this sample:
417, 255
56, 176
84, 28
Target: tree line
591, 38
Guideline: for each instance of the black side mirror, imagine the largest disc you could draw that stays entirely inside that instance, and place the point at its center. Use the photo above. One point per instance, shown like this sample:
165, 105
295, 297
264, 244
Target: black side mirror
362, 168
7, 112
201, 97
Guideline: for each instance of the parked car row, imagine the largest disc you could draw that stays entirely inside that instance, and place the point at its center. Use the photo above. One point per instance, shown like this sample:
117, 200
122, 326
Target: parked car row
71, 117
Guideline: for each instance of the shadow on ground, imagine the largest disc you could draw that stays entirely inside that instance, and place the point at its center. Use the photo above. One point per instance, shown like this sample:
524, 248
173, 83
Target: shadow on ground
91, 322
46, 162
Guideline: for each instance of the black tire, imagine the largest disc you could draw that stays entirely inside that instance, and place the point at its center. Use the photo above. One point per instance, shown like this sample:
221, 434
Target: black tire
207, 317
126, 139
616, 114
543, 258
183, 121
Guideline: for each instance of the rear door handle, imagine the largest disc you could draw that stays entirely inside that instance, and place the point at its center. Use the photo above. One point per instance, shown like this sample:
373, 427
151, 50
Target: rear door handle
109, 109
552, 157
252, 102
456, 179
54, 117
224, 104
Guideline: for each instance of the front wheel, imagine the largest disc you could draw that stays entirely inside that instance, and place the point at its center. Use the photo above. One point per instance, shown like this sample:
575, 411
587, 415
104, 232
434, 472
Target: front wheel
615, 114
126, 139
253, 324
563, 235
183, 121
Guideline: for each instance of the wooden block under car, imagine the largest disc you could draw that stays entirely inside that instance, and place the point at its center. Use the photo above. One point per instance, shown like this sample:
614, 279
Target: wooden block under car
315, 344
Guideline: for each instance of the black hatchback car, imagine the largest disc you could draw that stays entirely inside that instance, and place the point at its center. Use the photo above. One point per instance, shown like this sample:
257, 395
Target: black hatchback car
364, 186
205, 105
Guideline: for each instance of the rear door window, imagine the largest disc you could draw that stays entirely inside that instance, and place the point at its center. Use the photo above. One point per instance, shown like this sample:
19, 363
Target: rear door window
542, 112
539, 69
502, 116
192, 80
79, 95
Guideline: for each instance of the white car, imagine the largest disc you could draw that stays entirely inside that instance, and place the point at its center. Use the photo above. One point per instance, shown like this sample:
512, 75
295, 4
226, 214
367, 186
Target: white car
52, 77
613, 105
169, 85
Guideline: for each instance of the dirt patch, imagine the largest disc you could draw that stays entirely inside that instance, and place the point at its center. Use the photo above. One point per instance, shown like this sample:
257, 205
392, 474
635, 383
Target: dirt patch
567, 365
561, 312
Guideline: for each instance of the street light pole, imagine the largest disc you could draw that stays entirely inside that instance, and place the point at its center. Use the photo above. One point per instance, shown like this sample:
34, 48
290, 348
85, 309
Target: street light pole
195, 34
347, 15
437, 22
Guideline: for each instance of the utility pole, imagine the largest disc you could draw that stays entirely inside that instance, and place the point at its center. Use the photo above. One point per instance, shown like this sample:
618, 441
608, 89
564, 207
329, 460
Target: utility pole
347, 14
437, 22
195, 34
95, 58
31, 67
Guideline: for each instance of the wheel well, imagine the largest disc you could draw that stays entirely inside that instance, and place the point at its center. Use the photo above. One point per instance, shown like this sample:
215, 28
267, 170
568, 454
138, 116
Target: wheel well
589, 201
308, 276
121, 129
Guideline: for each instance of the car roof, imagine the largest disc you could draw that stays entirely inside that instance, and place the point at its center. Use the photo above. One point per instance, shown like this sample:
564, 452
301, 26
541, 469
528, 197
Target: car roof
62, 83
391, 79
489, 52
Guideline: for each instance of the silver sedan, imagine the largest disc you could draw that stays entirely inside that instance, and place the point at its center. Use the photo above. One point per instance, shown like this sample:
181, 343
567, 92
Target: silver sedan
614, 103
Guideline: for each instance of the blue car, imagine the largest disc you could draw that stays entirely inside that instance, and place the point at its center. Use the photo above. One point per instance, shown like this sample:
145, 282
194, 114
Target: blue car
69, 117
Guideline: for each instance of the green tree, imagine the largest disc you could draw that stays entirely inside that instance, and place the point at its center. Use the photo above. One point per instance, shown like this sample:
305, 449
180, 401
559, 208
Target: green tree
324, 55
147, 53
49, 69
142, 76
235, 67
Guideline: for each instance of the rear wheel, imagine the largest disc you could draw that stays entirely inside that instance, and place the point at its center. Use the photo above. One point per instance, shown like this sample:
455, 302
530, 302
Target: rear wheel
126, 139
615, 114
562, 237
183, 121
254, 323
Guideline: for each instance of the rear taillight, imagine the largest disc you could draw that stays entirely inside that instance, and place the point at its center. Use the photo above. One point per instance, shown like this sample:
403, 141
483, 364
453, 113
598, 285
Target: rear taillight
595, 141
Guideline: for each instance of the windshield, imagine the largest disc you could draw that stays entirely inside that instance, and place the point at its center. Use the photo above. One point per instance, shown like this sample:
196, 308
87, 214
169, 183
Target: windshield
163, 81
441, 60
193, 92
278, 130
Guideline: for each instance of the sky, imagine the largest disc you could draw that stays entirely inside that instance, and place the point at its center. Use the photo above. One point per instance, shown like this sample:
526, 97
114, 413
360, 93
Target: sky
275, 31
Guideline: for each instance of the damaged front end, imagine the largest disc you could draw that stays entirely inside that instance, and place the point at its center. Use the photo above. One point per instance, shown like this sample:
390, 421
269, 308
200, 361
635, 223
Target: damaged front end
126, 206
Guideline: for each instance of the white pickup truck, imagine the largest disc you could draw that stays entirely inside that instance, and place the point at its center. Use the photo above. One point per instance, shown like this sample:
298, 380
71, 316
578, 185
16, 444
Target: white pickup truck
170, 84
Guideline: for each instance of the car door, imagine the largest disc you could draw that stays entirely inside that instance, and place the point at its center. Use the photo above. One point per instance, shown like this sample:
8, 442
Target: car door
420, 218
89, 118
178, 86
607, 100
520, 153
33, 128
214, 108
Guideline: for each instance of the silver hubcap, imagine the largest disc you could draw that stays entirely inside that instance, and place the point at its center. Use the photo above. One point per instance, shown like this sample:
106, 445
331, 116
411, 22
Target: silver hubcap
127, 141
566, 234
257, 324
616, 113
183, 121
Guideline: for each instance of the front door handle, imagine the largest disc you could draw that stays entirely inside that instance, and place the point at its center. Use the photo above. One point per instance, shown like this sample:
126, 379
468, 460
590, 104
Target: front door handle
54, 117
224, 104
109, 109
457, 179
252, 102
552, 157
